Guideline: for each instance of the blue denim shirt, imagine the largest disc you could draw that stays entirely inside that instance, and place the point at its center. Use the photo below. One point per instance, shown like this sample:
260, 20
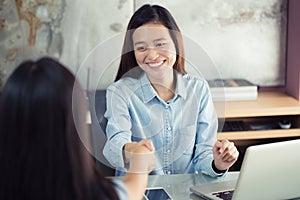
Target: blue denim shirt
183, 129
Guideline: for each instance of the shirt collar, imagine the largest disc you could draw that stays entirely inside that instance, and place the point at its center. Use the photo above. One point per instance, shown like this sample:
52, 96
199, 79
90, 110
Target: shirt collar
149, 93
180, 86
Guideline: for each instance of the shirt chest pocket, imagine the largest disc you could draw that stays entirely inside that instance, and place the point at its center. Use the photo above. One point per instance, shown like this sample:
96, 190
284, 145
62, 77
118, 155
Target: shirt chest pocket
184, 140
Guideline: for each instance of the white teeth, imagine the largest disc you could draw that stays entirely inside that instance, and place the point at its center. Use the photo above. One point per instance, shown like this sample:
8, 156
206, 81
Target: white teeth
155, 64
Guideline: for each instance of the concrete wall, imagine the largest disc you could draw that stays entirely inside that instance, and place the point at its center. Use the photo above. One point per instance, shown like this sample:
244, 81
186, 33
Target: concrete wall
241, 39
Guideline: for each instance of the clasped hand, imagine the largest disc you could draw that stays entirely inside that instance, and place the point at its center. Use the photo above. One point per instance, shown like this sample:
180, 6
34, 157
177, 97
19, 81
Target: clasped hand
140, 156
225, 154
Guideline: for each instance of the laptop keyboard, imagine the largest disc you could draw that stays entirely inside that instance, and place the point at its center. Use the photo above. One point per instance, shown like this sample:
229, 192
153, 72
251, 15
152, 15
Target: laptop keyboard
225, 195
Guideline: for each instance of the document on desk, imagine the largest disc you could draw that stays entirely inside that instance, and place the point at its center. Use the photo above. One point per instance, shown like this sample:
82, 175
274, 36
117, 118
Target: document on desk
232, 90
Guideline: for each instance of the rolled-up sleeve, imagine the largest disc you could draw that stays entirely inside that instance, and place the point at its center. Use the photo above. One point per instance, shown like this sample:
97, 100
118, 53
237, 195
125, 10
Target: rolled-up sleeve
118, 127
206, 134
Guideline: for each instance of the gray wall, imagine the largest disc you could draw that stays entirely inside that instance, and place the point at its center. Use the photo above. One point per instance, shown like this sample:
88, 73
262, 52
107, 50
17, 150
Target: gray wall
239, 39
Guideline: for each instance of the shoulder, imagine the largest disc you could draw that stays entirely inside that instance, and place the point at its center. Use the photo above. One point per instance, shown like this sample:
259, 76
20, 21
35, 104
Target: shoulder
190, 77
124, 86
194, 81
193, 86
124, 82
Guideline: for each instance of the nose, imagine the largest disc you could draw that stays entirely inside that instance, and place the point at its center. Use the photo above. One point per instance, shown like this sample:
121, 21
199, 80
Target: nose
152, 54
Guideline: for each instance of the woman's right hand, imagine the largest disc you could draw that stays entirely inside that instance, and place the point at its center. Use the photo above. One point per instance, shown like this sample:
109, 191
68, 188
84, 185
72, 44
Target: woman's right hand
140, 156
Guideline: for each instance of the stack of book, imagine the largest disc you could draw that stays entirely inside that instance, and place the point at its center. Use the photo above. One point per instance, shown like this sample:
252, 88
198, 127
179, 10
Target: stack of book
232, 90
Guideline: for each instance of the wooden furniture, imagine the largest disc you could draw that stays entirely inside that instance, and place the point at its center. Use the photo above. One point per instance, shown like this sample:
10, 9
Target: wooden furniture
269, 108
293, 48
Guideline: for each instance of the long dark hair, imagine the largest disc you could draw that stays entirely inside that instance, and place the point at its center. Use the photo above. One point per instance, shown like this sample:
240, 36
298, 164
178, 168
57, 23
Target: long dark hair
144, 15
41, 153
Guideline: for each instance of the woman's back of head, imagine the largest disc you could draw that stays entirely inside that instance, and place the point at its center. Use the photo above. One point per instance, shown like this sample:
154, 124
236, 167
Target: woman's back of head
42, 110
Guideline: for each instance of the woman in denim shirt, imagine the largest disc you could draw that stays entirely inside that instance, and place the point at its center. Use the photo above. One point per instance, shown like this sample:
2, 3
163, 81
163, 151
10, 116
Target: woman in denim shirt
155, 99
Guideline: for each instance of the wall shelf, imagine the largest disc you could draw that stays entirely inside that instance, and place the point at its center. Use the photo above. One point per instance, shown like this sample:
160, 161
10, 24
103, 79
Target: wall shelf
270, 107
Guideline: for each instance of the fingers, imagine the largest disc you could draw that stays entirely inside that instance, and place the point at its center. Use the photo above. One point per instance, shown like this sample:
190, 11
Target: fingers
148, 144
226, 150
225, 154
216, 148
141, 157
231, 155
139, 147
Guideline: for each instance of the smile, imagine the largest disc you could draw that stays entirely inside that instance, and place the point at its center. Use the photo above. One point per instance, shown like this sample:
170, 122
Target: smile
155, 64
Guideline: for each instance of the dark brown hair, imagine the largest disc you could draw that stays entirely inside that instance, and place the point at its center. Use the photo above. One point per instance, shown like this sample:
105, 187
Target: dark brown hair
41, 153
144, 15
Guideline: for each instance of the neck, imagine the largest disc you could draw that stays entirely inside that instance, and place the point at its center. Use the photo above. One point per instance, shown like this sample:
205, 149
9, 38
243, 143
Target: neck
165, 88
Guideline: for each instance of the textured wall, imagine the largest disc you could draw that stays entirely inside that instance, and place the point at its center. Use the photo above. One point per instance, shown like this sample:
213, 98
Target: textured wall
244, 39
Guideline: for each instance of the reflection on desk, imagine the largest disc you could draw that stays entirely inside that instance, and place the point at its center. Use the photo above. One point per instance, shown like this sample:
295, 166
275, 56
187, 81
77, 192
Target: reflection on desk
178, 185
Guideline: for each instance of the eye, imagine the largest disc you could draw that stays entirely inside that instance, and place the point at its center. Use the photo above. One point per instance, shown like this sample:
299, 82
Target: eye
161, 44
140, 48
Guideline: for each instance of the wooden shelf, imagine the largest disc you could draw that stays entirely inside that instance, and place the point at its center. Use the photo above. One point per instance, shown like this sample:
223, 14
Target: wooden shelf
268, 105
249, 135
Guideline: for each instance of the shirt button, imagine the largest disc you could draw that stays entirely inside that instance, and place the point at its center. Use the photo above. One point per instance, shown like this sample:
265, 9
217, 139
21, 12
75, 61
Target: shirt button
167, 106
168, 151
169, 128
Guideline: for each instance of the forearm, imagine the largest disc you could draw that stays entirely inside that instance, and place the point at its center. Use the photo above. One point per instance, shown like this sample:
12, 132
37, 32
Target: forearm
141, 163
203, 162
136, 184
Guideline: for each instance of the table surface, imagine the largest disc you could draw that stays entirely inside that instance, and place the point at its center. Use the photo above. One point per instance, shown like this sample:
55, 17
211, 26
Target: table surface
178, 185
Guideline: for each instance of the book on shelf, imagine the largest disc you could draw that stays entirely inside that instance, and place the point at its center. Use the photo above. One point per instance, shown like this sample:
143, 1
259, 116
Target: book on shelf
232, 89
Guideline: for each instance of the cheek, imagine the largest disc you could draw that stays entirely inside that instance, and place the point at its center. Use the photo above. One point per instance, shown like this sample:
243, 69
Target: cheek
170, 51
139, 57
173, 60
171, 55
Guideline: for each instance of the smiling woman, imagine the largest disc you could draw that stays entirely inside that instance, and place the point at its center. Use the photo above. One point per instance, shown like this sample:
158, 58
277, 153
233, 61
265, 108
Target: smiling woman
155, 53
154, 99
164, 22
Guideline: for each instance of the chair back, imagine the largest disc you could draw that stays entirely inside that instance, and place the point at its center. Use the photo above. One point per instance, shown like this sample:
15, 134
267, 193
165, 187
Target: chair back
97, 105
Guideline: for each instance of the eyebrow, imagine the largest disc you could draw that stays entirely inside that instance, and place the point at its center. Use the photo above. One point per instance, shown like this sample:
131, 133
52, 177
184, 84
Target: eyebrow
156, 40
137, 43
160, 39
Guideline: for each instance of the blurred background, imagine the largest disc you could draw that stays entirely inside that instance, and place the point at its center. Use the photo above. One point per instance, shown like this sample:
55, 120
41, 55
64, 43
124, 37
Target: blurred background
243, 39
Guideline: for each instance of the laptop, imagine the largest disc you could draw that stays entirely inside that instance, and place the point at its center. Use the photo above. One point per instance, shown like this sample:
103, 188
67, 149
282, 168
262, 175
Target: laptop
268, 171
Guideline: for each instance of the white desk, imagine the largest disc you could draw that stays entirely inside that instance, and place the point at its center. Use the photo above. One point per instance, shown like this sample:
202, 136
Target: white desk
178, 185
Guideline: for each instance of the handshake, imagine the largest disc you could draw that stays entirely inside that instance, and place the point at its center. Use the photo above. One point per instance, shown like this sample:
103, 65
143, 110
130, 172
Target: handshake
139, 156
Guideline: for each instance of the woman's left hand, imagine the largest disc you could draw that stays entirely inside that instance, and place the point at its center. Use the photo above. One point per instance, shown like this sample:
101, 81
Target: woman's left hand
225, 154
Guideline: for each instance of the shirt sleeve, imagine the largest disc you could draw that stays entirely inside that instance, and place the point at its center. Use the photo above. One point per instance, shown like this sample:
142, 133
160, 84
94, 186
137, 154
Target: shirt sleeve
121, 189
118, 127
207, 125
